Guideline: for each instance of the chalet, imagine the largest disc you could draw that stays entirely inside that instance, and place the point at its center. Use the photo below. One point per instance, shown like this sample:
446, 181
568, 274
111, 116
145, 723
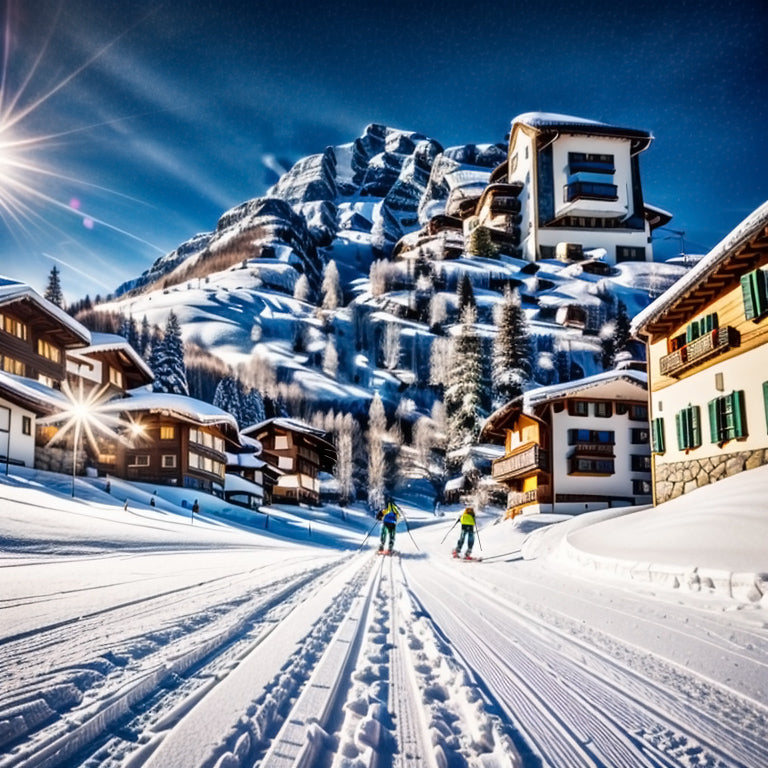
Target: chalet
575, 447
249, 478
172, 440
299, 452
579, 190
35, 336
707, 352
108, 362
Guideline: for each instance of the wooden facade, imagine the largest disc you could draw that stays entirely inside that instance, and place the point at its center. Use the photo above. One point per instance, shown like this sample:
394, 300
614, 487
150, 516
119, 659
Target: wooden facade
708, 364
298, 452
574, 447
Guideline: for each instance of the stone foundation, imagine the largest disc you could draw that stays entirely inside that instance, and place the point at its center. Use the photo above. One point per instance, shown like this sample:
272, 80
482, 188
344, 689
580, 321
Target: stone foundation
673, 480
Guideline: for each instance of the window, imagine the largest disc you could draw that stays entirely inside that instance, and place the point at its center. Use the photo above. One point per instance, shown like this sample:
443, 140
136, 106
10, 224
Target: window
284, 462
641, 487
640, 462
603, 410
580, 465
579, 188
727, 417
26, 425
657, 436
755, 294
700, 327
639, 436
115, 377
281, 442
11, 365
578, 408
15, 327
168, 461
590, 163
688, 426
592, 436
141, 460
46, 349
638, 412
629, 253
765, 402
167, 433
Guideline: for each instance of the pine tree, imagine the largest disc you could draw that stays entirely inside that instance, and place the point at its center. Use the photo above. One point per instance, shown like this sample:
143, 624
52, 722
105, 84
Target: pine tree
344, 430
53, 291
481, 244
330, 358
167, 360
465, 294
391, 346
463, 395
301, 289
252, 408
622, 334
331, 287
228, 397
512, 363
377, 428
145, 337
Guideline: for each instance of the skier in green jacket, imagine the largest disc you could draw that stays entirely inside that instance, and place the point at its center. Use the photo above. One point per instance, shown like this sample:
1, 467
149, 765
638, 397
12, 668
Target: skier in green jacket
467, 521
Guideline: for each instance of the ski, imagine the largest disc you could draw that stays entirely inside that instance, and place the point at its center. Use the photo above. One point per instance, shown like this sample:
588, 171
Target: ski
464, 557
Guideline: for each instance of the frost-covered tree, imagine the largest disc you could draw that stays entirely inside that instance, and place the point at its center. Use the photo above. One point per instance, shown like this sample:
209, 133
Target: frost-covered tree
331, 287
465, 294
440, 361
167, 360
130, 332
145, 337
330, 358
391, 346
53, 290
345, 427
301, 289
463, 395
438, 312
512, 356
377, 462
251, 408
615, 336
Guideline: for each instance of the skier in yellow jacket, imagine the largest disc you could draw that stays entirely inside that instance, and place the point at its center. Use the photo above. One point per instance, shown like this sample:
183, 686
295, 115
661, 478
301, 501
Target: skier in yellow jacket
467, 521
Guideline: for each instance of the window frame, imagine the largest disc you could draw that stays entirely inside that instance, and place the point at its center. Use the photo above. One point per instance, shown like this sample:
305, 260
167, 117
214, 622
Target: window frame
688, 427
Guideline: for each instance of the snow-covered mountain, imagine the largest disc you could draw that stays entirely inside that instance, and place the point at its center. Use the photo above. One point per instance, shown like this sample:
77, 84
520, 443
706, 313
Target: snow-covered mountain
252, 288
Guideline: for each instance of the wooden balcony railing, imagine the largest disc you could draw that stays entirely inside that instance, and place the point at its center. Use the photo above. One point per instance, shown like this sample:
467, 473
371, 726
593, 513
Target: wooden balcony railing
526, 461
697, 351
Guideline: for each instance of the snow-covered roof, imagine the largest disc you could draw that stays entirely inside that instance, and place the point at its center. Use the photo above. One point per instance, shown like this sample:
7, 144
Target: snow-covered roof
540, 395
283, 422
180, 406
33, 394
245, 460
108, 342
552, 120
12, 290
753, 225
233, 482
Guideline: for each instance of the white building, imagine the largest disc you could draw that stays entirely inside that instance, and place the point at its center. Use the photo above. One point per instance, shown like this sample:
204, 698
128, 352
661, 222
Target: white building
575, 447
581, 188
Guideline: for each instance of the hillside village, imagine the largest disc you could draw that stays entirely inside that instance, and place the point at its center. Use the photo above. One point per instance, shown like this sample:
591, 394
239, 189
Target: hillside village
466, 324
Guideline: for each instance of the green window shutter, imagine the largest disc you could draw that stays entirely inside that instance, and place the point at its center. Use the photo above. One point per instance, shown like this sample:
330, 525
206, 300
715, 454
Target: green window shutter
748, 295
714, 431
708, 323
695, 426
765, 402
739, 414
691, 331
679, 428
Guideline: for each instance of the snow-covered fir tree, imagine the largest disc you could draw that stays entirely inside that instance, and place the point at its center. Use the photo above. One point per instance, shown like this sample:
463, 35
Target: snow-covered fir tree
331, 287
463, 395
330, 357
465, 294
130, 332
345, 426
228, 397
438, 312
480, 243
301, 290
377, 462
391, 346
615, 336
251, 408
440, 362
53, 290
512, 357
145, 338
167, 360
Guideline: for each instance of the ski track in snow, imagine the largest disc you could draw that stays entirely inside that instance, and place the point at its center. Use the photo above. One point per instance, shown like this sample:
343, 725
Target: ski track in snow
360, 661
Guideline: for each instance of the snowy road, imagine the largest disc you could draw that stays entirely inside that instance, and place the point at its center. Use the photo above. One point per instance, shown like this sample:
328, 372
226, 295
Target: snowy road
248, 656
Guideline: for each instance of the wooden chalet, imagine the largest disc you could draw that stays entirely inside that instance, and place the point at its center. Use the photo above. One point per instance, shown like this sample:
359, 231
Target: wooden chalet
574, 447
299, 452
707, 352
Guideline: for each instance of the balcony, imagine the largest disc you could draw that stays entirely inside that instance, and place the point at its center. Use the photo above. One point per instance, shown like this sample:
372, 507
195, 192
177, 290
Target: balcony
505, 205
593, 449
526, 461
697, 351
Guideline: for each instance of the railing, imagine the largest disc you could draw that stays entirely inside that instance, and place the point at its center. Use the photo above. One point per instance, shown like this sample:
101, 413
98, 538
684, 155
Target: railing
516, 501
697, 351
524, 462
504, 204
592, 449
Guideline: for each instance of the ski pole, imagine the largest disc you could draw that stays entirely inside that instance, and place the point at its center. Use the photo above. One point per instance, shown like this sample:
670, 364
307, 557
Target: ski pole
408, 528
450, 529
376, 522
477, 533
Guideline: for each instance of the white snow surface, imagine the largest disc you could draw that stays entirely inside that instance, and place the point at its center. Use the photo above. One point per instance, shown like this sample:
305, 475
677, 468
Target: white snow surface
133, 634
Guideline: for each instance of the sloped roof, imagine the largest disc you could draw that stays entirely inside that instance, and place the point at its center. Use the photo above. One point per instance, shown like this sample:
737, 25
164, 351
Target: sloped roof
28, 393
109, 342
550, 121
734, 254
13, 291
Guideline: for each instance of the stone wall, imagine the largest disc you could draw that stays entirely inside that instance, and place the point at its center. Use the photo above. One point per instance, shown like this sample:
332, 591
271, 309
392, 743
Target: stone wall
673, 480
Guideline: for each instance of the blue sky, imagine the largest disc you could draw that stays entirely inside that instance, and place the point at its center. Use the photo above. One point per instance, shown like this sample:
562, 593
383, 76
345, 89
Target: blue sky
126, 128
